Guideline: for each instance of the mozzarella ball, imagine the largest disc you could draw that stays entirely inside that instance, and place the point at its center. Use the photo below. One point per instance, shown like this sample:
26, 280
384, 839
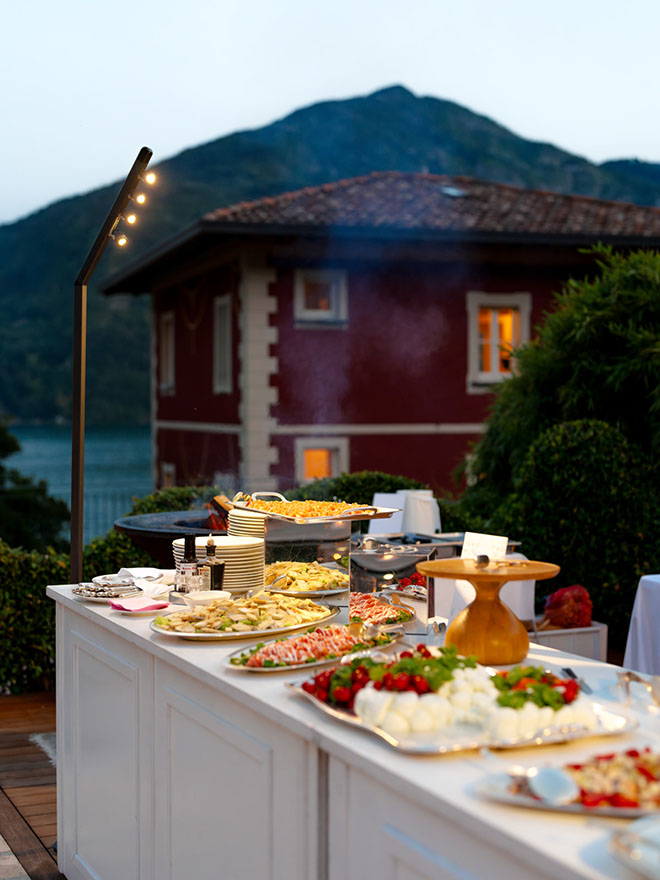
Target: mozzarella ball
405, 703
422, 721
395, 724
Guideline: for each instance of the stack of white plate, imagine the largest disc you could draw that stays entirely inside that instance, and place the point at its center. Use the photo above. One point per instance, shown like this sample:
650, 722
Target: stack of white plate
246, 523
243, 558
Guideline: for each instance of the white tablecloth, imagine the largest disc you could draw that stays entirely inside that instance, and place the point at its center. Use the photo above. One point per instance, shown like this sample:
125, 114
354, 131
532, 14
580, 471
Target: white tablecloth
643, 645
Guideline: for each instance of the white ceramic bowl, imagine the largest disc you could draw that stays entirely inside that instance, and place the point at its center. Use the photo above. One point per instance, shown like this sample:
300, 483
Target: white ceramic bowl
205, 597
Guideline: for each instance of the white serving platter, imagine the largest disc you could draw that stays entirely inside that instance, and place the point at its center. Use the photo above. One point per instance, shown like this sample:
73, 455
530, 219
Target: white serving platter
333, 611
459, 738
496, 787
293, 667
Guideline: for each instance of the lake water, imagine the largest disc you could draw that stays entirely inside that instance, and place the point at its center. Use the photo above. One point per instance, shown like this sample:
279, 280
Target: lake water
117, 467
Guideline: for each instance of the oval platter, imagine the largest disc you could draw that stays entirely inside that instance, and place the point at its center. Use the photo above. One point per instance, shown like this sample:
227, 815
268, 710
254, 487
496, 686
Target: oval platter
333, 611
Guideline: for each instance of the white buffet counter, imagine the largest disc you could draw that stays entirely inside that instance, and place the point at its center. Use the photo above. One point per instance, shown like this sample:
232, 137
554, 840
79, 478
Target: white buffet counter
172, 767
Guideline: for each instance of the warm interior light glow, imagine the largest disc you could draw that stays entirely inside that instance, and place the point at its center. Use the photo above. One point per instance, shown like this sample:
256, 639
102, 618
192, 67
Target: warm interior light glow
131, 219
150, 177
121, 240
318, 463
140, 198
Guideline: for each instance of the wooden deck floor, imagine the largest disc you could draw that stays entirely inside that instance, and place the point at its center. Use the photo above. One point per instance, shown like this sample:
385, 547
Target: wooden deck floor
28, 810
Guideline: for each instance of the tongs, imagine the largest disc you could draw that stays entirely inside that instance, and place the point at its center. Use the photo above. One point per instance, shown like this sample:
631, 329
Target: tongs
651, 684
369, 631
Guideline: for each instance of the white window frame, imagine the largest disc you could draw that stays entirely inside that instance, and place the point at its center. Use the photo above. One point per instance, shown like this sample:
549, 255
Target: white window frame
222, 345
338, 447
479, 382
166, 365
337, 315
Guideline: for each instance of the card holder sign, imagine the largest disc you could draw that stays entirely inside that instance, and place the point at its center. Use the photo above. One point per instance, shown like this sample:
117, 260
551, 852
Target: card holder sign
477, 544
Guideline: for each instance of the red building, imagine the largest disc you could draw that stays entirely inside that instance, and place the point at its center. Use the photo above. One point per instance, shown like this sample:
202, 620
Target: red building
356, 325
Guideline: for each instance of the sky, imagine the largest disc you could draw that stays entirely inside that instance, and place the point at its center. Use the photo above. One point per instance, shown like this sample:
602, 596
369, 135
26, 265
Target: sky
86, 84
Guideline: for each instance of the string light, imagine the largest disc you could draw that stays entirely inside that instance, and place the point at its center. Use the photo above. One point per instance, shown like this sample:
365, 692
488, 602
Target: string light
120, 239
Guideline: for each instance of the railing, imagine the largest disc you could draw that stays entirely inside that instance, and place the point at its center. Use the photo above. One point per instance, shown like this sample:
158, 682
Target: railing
103, 506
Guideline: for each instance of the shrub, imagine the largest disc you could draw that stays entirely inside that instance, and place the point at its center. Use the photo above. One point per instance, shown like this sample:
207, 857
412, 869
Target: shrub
595, 356
174, 498
358, 487
111, 552
27, 617
586, 498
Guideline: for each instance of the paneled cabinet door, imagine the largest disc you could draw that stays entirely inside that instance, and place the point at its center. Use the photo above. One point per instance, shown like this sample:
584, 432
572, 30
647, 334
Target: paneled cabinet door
104, 754
235, 793
374, 831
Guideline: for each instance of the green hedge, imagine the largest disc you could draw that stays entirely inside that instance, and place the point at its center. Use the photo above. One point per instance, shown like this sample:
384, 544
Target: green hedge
586, 499
27, 617
174, 498
358, 487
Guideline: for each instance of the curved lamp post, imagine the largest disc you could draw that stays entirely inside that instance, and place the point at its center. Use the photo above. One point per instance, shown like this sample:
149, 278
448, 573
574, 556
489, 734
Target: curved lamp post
107, 232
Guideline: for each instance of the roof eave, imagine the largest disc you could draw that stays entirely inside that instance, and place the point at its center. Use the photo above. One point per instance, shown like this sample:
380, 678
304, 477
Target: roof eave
120, 282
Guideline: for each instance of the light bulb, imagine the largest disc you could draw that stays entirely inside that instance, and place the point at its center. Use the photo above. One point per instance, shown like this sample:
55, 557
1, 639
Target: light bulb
131, 219
121, 240
150, 178
140, 198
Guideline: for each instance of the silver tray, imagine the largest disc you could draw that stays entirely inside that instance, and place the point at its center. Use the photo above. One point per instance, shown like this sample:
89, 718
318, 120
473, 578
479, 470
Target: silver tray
495, 787
460, 738
366, 511
385, 600
113, 580
363, 652
104, 600
333, 611
637, 846
307, 594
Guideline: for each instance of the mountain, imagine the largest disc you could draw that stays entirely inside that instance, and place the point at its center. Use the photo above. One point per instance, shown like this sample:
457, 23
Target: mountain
391, 129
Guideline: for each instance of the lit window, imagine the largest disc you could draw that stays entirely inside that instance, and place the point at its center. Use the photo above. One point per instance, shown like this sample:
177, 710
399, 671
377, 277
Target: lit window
318, 457
318, 463
222, 345
166, 352
497, 324
499, 334
320, 297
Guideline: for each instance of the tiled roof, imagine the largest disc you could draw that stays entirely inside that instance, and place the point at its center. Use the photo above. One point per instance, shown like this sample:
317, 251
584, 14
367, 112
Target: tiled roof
430, 202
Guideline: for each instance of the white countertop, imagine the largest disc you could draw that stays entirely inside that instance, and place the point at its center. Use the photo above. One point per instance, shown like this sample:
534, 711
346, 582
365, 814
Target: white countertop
576, 844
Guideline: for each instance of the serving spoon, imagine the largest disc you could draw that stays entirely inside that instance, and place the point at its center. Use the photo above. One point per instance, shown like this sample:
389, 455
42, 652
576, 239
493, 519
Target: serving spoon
552, 785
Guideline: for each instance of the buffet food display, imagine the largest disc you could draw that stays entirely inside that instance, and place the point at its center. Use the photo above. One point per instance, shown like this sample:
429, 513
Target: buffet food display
317, 647
368, 608
305, 577
308, 511
623, 783
432, 701
422, 699
245, 616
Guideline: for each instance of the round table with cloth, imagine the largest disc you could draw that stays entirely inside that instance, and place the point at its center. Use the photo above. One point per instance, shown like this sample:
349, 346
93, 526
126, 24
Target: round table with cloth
643, 645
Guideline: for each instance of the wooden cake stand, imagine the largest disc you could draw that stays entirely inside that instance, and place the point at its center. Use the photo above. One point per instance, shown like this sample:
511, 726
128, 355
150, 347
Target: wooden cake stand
487, 628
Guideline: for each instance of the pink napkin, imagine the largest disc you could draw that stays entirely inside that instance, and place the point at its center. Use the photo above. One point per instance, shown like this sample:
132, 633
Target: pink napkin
137, 603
